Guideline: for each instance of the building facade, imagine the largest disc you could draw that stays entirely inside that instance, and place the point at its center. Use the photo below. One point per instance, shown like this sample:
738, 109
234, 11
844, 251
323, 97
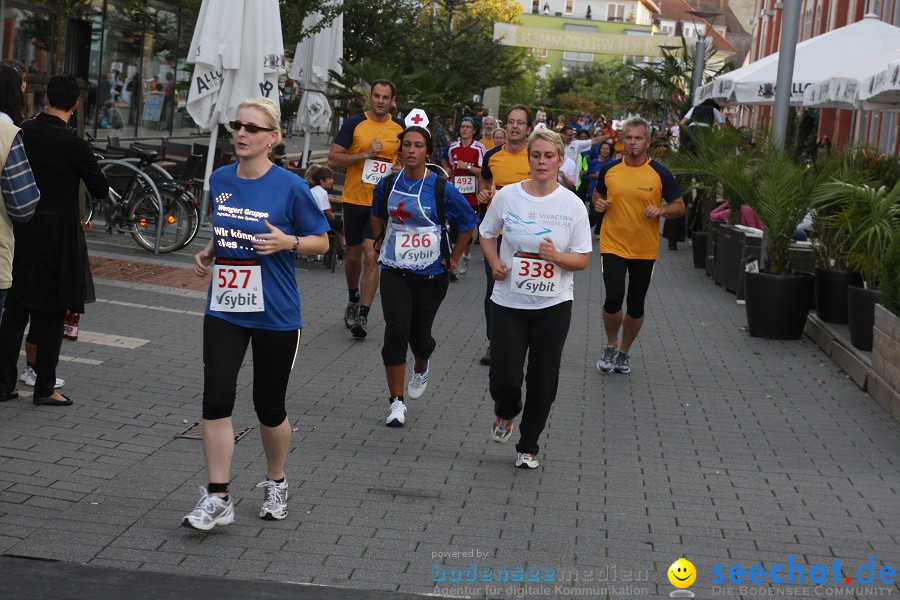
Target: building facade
134, 71
818, 17
625, 17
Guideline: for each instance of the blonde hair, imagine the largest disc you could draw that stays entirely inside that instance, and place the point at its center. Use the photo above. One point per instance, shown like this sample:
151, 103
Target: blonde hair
500, 129
548, 136
270, 110
316, 173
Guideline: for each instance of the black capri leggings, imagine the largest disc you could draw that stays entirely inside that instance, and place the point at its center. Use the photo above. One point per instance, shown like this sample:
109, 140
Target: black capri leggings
410, 303
224, 347
639, 270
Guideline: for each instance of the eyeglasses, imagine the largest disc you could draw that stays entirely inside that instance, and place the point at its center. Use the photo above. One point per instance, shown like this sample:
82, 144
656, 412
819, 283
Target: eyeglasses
250, 127
516, 122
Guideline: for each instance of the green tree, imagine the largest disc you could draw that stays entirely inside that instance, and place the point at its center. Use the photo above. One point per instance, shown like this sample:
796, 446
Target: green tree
662, 90
593, 88
62, 10
442, 36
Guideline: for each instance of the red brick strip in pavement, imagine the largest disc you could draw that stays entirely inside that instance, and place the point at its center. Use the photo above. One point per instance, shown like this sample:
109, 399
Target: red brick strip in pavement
141, 272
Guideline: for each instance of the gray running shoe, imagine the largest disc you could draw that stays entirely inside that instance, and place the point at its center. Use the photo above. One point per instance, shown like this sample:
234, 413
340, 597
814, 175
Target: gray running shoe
274, 507
606, 363
351, 313
360, 329
210, 511
622, 363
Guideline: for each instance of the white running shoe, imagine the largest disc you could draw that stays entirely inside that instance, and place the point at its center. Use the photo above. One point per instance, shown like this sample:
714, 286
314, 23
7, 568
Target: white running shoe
29, 377
210, 511
463, 267
502, 430
417, 383
274, 507
397, 414
526, 461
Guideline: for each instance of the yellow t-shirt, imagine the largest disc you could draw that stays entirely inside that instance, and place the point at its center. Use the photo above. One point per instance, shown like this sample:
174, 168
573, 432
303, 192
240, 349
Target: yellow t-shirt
356, 136
487, 142
505, 167
630, 191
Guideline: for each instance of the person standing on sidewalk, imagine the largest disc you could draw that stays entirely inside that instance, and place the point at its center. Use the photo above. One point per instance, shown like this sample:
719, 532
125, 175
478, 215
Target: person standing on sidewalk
409, 214
20, 199
546, 237
503, 165
263, 217
367, 146
629, 194
51, 273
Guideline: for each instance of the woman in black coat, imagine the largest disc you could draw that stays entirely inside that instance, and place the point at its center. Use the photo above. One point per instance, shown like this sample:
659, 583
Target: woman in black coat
51, 273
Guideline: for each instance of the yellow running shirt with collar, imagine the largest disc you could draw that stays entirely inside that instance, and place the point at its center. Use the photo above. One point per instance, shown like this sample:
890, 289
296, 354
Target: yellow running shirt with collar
356, 136
505, 167
630, 190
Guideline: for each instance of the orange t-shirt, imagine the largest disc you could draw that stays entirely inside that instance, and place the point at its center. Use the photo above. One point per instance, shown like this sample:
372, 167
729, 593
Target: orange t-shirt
356, 135
630, 190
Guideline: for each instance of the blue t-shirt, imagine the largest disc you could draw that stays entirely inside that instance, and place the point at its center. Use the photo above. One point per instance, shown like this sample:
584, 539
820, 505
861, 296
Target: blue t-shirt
239, 208
456, 210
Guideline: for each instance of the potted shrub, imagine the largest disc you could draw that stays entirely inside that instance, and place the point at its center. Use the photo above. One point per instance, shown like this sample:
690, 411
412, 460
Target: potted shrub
767, 179
707, 146
831, 239
871, 217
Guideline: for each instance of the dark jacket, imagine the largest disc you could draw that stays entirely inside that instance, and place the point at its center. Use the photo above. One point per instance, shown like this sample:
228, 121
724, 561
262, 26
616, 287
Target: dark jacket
51, 272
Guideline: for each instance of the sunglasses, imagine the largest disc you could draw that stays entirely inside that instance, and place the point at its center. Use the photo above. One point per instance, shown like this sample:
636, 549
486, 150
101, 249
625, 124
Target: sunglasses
251, 128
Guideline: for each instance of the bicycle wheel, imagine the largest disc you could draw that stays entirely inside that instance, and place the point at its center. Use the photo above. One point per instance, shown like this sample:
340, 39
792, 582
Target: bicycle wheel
86, 209
195, 216
179, 224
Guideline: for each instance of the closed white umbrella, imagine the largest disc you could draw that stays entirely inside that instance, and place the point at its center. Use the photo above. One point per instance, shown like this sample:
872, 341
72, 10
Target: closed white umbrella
816, 60
314, 57
843, 90
238, 51
882, 89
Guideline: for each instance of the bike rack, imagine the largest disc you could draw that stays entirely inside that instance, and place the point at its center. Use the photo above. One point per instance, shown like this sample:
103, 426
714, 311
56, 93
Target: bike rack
129, 164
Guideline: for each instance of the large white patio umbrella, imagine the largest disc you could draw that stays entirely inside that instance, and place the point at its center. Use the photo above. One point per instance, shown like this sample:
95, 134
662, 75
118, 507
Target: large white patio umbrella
882, 89
238, 52
816, 60
313, 58
843, 89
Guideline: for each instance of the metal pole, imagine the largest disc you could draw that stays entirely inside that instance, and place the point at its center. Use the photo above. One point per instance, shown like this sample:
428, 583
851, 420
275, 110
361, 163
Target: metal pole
303, 158
210, 160
790, 22
699, 59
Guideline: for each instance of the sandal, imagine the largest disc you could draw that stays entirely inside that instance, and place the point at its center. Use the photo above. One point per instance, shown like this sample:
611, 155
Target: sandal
50, 401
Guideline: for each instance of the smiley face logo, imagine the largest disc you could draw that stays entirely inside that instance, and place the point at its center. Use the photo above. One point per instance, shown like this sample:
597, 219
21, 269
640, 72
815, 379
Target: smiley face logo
682, 573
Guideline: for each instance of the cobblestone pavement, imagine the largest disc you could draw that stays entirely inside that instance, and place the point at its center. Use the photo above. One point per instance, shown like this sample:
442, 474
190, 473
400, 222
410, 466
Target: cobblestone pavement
725, 449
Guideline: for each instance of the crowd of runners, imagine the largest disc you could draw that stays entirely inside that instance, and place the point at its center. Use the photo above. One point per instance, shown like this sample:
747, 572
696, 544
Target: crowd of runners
409, 227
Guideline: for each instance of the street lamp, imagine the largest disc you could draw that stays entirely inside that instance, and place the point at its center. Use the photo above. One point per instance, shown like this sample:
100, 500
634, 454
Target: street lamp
700, 52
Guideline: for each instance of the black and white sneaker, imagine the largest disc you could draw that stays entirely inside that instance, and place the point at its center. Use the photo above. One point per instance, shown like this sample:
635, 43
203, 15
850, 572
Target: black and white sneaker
360, 328
210, 512
607, 361
622, 364
351, 313
397, 414
274, 506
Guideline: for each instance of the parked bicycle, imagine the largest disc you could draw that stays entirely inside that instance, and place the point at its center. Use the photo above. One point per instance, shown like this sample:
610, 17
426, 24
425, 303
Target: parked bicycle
159, 213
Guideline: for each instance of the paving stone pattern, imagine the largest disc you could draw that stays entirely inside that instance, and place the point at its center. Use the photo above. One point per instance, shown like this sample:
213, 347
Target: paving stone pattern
717, 447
